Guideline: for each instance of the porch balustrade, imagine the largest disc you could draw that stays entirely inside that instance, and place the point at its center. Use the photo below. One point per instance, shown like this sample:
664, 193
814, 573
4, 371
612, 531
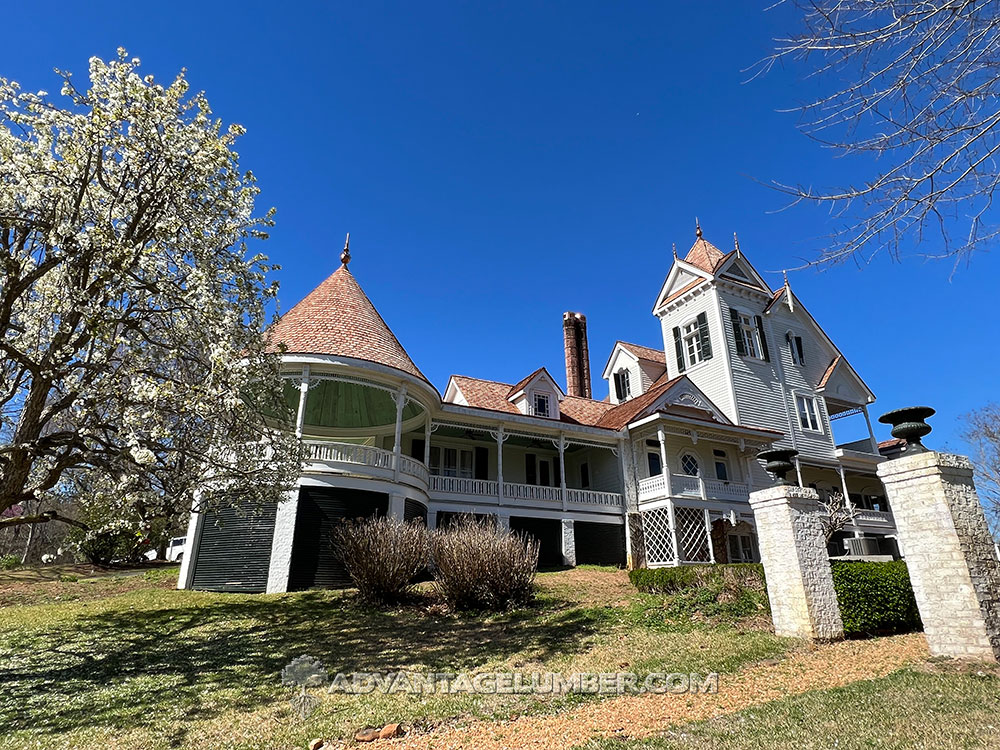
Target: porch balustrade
682, 485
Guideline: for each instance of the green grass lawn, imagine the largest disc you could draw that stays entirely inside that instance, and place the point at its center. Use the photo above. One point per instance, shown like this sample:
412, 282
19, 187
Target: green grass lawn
130, 662
911, 708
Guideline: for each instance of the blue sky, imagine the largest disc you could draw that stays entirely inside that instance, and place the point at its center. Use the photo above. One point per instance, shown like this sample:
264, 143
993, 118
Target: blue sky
497, 164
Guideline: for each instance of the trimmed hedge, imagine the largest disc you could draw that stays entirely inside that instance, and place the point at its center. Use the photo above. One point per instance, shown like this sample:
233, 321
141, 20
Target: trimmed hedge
875, 597
672, 580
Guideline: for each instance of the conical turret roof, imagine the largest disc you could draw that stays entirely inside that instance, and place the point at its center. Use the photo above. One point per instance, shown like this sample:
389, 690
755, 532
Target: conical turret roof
337, 318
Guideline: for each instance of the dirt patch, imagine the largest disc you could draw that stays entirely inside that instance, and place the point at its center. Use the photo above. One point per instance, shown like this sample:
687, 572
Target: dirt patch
589, 587
810, 668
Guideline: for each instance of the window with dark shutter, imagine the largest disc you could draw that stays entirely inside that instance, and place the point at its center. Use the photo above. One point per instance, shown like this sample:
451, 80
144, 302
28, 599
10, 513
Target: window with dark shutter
530, 468
762, 337
734, 319
799, 350
584, 475
705, 340
679, 349
655, 467
619, 391
543, 473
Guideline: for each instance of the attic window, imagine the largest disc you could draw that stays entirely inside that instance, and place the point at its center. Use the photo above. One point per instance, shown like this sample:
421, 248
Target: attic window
692, 343
540, 404
623, 388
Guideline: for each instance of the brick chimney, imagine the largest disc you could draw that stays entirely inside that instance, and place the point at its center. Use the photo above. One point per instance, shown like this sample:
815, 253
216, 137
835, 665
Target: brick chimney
577, 355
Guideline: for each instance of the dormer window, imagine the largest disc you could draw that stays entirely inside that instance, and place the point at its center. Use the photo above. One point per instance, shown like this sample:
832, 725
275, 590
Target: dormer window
623, 386
540, 404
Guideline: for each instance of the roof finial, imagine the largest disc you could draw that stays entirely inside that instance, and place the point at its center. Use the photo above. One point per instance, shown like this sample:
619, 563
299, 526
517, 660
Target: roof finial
697, 228
736, 243
675, 250
345, 256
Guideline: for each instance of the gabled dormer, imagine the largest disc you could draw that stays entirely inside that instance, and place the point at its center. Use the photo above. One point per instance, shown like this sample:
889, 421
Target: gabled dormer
538, 395
631, 370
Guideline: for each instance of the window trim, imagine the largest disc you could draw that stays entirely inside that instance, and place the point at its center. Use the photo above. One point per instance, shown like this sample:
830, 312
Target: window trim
697, 460
691, 341
817, 412
724, 460
535, 396
623, 384
750, 335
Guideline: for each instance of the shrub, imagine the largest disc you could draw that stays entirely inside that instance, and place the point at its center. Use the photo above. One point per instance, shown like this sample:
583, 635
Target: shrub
673, 580
725, 592
383, 556
875, 597
479, 566
9, 562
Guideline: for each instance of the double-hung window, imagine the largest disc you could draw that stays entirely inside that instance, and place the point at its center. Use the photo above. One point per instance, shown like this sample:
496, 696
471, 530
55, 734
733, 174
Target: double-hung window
748, 334
691, 335
808, 411
721, 464
451, 462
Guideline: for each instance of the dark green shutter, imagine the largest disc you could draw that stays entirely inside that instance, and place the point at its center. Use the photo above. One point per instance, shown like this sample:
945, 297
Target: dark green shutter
679, 349
734, 318
763, 338
705, 339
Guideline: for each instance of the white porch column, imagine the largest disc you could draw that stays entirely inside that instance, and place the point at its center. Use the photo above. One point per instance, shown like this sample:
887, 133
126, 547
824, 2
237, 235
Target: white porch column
432, 518
427, 442
562, 472
500, 439
871, 432
300, 417
195, 524
281, 544
798, 470
626, 491
673, 530
397, 507
568, 542
664, 469
503, 521
708, 533
397, 446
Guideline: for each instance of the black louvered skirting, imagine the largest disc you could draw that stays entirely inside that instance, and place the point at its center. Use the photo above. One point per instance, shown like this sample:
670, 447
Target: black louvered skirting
548, 531
234, 550
413, 510
315, 563
599, 543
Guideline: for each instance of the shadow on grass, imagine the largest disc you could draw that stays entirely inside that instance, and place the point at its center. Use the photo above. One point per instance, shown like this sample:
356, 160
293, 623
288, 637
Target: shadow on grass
206, 653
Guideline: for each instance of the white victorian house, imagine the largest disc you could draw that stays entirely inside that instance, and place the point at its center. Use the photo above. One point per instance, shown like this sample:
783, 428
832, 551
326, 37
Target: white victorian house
658, 473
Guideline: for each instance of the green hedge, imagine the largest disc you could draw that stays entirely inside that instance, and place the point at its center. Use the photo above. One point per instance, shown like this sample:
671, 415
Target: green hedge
875, 597
673, 580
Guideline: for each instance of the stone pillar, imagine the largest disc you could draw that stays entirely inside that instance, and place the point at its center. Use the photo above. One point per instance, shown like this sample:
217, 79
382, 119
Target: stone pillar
793, 550
281, 544
568, 542
949, 552
397, 507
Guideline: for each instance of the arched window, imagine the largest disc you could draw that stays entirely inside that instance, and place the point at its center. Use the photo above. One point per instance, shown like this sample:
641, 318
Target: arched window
689, 465
623, 387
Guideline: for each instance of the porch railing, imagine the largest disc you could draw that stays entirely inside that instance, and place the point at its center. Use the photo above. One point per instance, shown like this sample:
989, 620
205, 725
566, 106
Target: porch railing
594, 497
464, 486
533, 492
369, 456
683, 485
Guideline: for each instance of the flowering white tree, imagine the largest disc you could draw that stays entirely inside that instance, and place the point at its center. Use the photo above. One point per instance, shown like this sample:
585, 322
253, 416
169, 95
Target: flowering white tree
133, 368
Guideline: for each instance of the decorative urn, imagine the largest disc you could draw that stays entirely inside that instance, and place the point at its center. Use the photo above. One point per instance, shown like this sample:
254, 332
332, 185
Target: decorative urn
778, 462
908, 424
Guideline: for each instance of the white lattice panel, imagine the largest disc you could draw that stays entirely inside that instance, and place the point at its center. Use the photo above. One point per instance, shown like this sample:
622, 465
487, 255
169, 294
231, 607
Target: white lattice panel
658, 537
692, 536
